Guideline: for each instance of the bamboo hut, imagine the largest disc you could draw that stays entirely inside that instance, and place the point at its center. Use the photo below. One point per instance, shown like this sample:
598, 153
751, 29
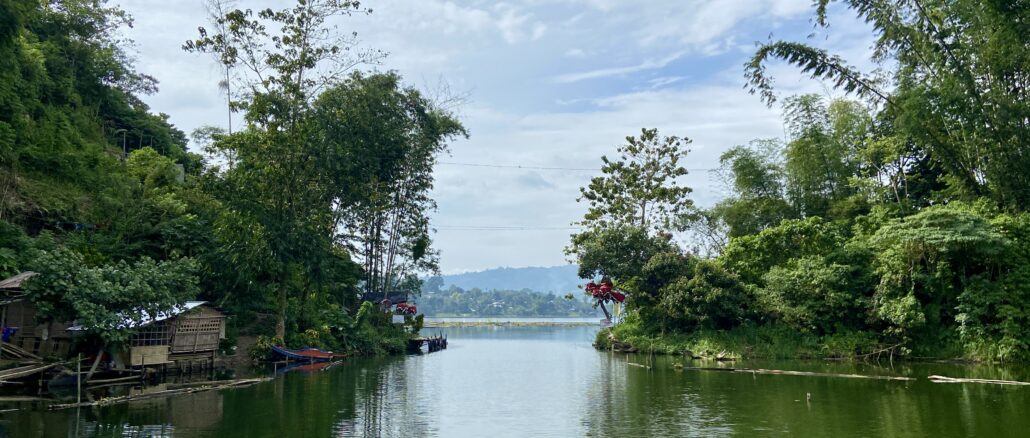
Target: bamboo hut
185, 333
19, 325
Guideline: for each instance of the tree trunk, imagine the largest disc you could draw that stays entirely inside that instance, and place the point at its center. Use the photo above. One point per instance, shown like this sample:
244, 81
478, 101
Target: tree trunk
96, 362
280, 320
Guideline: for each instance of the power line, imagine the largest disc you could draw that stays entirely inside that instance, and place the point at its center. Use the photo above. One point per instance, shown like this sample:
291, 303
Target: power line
519, 166
516, 166
498, 228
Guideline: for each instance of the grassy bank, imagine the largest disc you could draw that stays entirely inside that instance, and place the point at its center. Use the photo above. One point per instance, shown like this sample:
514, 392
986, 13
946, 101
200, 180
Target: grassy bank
744, 342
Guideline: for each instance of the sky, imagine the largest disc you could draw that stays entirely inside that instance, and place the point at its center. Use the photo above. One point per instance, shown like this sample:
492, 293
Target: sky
546, 84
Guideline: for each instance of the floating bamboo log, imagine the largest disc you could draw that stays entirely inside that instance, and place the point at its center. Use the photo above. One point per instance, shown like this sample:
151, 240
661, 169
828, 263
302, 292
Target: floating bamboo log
27, 370
113, 380
943, 379
797, 373
165, 393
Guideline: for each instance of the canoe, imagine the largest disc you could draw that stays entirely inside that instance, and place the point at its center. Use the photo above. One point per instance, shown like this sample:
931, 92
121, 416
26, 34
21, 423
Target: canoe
305, 354
306, 368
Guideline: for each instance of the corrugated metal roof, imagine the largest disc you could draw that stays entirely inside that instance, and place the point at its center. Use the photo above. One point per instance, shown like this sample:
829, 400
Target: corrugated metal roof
14, 283
129, 323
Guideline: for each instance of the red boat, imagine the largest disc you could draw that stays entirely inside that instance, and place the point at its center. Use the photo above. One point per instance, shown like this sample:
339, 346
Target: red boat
306, 354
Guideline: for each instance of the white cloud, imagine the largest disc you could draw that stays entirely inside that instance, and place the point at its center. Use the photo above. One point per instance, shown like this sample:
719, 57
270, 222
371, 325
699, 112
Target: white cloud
575, 53
649, 64
540, 72
517, 26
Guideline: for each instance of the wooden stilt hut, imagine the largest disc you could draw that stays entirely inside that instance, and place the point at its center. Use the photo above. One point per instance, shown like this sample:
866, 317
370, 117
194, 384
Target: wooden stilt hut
19, 325
185, 333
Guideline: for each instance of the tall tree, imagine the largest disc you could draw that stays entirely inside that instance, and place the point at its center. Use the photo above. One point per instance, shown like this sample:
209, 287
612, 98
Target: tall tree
959, 91
641, 188
277, 184
381, 141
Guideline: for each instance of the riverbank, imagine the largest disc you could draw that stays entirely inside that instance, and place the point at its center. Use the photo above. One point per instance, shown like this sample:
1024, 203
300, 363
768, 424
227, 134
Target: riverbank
554, 384
759, 342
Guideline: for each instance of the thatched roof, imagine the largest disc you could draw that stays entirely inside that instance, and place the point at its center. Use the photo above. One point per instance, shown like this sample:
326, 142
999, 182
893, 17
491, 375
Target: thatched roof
15, 282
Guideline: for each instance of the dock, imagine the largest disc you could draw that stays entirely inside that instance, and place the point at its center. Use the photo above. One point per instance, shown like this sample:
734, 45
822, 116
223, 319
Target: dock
432, 343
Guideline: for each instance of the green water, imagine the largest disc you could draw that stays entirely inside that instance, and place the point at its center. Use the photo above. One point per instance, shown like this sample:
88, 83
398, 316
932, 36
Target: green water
549, 381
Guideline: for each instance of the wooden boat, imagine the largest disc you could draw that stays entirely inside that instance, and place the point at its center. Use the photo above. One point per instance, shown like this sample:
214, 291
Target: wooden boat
306, 354
306, 368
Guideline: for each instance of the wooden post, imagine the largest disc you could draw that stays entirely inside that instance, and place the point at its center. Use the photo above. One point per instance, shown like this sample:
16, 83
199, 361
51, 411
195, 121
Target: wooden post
3, 326
78, 380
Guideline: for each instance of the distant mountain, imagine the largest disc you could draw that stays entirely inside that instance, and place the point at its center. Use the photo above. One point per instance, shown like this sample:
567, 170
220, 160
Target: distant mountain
557, 279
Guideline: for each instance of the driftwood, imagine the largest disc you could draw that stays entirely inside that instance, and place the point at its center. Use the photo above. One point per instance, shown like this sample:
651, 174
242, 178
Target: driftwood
27, 370
165, 393
943, 379
797, 373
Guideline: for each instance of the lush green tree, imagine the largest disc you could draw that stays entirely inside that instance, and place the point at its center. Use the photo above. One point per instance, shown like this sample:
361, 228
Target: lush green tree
820, 157
619, 252
927, 261
107, 300
752, 256
819, 294
278, 184
381, 141
757, 178
958, 71
640, 187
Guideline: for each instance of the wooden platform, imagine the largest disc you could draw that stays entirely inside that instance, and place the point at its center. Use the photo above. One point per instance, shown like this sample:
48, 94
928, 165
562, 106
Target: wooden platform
433, 343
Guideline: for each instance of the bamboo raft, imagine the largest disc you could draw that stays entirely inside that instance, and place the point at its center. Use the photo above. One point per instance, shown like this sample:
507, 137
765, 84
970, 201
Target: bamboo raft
211, 386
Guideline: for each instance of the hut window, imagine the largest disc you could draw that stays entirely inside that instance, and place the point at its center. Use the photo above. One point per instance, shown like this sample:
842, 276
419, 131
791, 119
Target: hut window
154, 334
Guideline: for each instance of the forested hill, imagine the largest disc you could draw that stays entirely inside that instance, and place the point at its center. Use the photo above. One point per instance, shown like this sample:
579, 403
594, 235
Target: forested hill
101, 197
557, 279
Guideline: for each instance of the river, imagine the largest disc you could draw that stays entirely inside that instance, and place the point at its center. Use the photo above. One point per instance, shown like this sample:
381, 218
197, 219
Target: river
544, 381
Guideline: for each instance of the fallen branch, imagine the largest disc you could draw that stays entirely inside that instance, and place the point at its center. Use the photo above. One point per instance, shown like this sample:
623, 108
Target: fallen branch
165, 393
943, 379
797, 373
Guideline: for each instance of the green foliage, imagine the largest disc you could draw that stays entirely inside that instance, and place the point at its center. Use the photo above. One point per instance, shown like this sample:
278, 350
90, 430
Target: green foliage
925, 261
818, 295
107, 300
707, 297
619, 252
639, 188
262, 349
752, 256
958, 93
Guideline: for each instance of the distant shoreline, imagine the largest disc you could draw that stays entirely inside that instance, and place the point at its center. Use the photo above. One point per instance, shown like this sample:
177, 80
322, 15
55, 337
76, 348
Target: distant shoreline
441, 322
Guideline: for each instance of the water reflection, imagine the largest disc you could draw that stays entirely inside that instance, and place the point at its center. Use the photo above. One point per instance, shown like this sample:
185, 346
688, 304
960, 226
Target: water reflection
548, 381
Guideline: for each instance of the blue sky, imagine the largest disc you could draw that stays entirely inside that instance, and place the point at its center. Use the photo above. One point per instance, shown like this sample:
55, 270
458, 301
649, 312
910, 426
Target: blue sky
550, 83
